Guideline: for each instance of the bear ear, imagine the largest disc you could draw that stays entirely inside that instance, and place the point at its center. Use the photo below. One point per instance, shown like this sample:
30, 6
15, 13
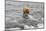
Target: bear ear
26, 7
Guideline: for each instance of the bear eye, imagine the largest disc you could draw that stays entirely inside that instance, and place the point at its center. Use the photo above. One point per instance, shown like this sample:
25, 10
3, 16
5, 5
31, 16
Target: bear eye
27, 11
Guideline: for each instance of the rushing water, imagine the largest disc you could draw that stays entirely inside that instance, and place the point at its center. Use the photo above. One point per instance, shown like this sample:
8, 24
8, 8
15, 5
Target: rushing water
14, 11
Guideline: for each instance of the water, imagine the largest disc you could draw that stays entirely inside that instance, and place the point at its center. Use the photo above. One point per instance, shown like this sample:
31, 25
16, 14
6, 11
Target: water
14, 11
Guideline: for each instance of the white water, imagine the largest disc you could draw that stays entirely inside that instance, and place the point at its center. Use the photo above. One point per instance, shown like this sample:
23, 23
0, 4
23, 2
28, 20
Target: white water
14, 12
